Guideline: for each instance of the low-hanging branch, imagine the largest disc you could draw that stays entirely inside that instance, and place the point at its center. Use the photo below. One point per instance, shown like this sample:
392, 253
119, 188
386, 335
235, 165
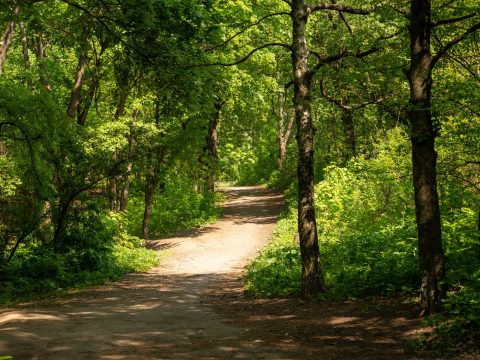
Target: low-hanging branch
214, 47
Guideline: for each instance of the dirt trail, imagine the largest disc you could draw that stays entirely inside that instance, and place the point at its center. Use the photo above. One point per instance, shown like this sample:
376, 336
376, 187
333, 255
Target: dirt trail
192, 307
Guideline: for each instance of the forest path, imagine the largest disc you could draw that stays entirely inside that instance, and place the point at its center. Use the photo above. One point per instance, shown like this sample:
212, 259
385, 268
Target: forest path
192, 307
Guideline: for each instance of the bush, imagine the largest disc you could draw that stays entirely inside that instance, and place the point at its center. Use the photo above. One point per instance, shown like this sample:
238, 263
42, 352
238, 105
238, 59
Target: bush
366, 230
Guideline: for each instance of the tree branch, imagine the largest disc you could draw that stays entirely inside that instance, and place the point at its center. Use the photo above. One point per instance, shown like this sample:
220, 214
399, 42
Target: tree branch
349, 107
246, 57
452, 43
335, 7
451, 21
214, 47
110, 31
344, 53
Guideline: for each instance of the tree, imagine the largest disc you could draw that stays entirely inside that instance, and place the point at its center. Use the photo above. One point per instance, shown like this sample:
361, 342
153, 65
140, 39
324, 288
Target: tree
424, 156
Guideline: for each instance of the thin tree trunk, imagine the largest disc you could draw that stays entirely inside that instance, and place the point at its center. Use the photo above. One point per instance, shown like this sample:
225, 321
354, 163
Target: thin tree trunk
60, 225
424, 160
312, 276
349, 130
82, 116
284, 131
44, 78
113, 185
151, 184
7, 41
76, 95
127, 177
26, 56
212, 146
150, 188
113, 181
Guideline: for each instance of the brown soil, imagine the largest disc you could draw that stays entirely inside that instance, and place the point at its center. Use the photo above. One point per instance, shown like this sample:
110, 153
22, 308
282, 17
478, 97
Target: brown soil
193, 307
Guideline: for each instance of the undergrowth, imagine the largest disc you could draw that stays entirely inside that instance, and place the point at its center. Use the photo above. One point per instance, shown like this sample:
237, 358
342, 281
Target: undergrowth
368, 245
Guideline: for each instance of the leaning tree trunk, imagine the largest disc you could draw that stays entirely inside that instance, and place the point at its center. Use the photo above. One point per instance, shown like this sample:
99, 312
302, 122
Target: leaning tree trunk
312, 276
424, 160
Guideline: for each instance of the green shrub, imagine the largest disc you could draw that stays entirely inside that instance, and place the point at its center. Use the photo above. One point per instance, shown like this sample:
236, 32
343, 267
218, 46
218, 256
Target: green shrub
366, 229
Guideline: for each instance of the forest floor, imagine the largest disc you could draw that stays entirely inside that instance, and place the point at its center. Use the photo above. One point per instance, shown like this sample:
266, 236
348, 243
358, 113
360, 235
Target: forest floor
193, 307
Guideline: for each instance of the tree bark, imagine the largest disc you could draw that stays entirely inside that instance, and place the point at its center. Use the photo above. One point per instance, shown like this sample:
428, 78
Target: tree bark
312, 276
424, 159
7, 41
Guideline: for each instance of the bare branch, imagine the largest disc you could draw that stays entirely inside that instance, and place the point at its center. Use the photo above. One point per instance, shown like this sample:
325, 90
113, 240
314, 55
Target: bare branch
214, 47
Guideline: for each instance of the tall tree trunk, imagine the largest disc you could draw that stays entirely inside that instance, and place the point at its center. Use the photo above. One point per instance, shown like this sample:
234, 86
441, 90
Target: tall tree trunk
123, 200
76, 94
41, 56
312, 276
7, 41
424, 159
